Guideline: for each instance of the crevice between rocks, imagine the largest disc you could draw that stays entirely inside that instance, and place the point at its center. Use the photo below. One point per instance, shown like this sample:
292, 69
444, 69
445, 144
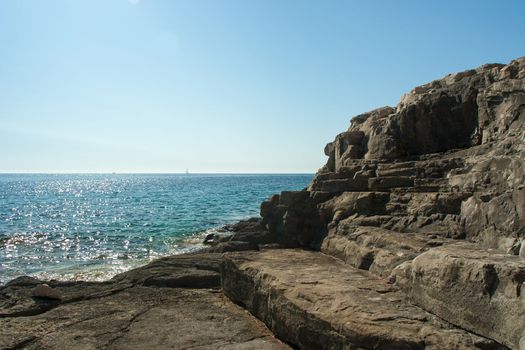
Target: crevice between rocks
121, 332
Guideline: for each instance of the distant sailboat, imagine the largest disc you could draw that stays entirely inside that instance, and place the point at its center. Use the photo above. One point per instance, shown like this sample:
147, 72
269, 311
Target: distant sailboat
187, 172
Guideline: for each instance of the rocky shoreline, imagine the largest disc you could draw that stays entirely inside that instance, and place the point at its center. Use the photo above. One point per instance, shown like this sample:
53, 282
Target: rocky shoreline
410, 237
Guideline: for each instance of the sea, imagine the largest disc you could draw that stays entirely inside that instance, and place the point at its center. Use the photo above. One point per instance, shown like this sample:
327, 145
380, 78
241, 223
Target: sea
94, 226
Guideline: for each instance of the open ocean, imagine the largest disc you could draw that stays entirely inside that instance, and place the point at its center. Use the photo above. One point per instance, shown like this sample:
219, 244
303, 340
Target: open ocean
91, 227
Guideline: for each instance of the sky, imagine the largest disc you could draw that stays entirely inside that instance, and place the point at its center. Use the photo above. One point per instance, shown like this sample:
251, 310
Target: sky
247, 86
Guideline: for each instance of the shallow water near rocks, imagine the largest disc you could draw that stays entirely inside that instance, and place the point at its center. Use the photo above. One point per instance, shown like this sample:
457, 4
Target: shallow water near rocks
91, 227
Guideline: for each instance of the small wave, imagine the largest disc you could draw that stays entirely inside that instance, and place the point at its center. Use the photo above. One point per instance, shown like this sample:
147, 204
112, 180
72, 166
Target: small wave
197, 238
91, 275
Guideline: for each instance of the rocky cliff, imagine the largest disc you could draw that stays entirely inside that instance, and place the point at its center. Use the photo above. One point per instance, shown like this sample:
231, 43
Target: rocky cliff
448, 160
410, 237
429, 195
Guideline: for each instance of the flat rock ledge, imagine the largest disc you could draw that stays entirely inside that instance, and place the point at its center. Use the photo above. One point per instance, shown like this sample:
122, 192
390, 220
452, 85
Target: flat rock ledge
172, 303
315, 301
277, 298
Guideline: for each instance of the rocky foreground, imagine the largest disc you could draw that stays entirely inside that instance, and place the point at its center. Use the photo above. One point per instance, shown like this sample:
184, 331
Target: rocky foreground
410, 237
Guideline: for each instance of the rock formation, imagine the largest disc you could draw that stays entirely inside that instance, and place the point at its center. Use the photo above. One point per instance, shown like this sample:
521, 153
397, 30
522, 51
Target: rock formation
429, 195
410, 237
172, 303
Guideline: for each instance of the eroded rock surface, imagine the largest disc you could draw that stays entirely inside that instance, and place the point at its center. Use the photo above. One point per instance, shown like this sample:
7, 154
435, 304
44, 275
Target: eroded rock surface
317, 302
405, 184
419, 163
244, 235
479, 289
173, 303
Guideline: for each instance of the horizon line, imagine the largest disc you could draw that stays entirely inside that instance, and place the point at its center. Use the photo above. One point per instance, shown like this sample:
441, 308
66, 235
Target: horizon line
156, 173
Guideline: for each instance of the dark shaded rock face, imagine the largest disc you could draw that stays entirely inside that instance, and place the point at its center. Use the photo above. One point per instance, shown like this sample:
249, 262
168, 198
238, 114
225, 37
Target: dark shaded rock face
294, 211
402, 186
244, 235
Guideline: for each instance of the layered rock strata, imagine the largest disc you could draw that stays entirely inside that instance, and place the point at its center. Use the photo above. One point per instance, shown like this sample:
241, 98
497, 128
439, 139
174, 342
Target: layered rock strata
403, 185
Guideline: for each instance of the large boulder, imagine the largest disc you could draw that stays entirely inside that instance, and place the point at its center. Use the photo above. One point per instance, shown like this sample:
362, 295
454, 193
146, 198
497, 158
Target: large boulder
474, 288
314, 301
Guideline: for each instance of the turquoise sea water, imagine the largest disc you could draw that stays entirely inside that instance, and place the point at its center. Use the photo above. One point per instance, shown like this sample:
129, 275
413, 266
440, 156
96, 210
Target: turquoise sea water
92, 227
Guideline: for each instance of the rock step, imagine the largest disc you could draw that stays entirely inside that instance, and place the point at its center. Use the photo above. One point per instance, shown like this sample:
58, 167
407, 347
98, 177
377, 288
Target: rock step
389, 182
422, 175
392, 203
314, 301
377, 249
431, 185
384, 183
479, 289
341, 185
409, 171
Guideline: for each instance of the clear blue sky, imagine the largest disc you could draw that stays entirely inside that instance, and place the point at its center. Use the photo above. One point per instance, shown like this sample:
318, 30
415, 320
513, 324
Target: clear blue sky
221, 86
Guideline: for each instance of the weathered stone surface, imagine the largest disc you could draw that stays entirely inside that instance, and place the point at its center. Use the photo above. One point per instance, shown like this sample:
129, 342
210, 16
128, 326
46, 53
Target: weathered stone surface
477, 289
141, 318
350, 203
343, 185
195, 270
139, 309
428, 203
315, 301
347, 145
16, 297
243, 235
375, 126
447, 163
376, 249
491, 172
447, 114
457, 144
233, 246
293, 218
45, 291
495, 221
387, 183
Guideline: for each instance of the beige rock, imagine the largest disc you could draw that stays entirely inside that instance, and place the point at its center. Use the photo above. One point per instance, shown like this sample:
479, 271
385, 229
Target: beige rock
451, 156
376, 249
314, 301
167, 304
45, 291
477, 289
